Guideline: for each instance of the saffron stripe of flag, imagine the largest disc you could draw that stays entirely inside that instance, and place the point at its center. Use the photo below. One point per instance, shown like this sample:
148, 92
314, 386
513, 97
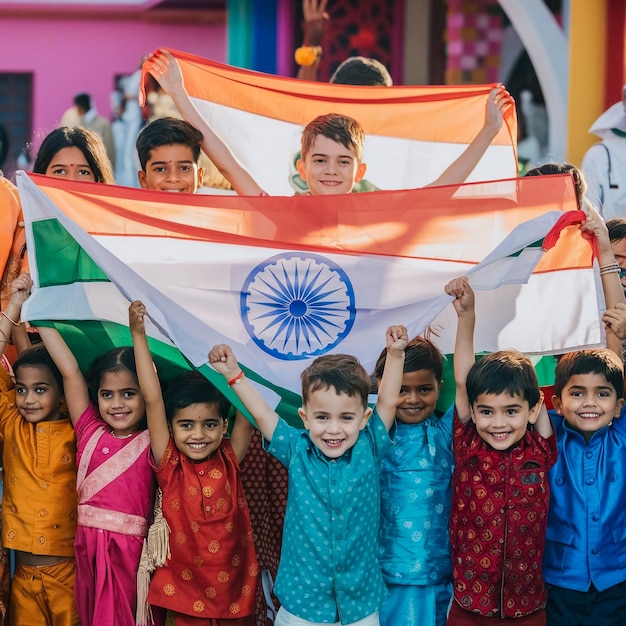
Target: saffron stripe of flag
284, 280
412, 133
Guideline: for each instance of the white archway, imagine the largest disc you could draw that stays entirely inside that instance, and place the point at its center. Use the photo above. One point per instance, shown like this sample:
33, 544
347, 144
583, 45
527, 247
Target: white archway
547, 48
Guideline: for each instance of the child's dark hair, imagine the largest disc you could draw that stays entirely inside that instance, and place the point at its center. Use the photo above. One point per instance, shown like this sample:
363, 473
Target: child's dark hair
167, 131
116, 360
507, 371
580, 184
616, 228
362, 71
88, 142
340, 128
342, 372
419, 354
598, 361
193, 388
38, 357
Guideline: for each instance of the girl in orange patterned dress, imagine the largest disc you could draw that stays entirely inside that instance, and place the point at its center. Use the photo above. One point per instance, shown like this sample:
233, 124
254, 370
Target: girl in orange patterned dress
211, 575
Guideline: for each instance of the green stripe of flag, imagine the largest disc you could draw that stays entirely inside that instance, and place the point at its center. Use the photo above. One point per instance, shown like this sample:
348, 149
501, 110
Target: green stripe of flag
60, 259
88, 339
544, 368
535, 244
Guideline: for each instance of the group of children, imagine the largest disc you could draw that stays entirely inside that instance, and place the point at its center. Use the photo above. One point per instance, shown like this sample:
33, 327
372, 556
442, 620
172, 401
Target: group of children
494, 512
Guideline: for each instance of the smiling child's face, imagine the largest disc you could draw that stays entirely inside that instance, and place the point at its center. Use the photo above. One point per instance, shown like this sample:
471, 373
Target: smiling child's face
330, 168
502, 419
198, 430
172, 168
588, 402
334, 420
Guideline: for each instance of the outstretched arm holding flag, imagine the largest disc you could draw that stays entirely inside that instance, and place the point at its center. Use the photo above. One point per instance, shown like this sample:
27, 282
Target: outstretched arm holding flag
464, 345
609, 275
458, 171
167, 71
164, 67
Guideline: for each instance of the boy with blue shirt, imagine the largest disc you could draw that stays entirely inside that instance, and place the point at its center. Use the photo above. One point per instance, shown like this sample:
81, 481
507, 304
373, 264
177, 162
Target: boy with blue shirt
585, 559
416, 495
329, 572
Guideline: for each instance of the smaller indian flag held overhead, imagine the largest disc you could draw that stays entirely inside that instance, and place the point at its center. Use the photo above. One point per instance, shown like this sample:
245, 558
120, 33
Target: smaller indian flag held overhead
284, 280
412, 133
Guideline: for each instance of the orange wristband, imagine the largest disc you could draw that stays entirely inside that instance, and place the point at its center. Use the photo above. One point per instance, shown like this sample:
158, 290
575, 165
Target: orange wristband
307, 55
236, 379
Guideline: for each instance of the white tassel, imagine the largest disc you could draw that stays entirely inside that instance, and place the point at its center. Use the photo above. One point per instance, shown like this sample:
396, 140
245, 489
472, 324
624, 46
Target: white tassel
155, 552
159, 535
144, 612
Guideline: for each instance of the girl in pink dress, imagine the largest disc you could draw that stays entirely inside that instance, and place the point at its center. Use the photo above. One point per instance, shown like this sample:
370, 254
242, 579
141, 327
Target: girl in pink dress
115, 481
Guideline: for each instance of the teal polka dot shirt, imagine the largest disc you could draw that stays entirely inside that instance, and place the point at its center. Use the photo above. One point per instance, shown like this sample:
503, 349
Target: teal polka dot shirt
329, 568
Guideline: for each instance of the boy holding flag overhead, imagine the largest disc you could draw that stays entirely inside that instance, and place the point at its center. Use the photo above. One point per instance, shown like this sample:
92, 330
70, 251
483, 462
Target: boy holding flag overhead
331, 145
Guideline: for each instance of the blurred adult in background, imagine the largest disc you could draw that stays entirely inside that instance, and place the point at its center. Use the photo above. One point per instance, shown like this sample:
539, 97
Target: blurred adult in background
604, 164
71, 117
128, 126
89, 118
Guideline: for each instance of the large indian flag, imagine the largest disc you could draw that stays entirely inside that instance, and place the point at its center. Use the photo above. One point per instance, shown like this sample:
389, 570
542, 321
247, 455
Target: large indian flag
284, 280
412, 133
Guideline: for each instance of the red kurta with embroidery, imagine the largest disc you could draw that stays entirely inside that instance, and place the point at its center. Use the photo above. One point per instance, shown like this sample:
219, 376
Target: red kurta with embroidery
213, 570
498, 523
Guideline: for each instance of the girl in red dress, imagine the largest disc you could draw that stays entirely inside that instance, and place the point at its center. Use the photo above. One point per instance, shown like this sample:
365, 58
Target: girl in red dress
211, 575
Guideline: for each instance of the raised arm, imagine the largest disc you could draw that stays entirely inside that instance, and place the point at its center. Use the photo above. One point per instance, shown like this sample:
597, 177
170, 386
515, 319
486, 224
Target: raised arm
165, 69
20, 338
148, 382
240, 436
615, 322
609, 275
391, 381
221, 357
457, 173
543, 425
10, 318
315, 23
74, 384
464, 345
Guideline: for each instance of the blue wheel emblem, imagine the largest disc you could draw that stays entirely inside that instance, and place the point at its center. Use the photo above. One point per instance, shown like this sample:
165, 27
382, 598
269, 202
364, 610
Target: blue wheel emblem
297, 305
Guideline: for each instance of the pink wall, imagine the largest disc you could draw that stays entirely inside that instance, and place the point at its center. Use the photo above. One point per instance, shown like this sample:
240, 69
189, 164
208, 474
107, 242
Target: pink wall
70, 56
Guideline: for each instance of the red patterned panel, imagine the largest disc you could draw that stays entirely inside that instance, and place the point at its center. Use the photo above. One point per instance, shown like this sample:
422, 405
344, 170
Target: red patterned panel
361, 28
265, 483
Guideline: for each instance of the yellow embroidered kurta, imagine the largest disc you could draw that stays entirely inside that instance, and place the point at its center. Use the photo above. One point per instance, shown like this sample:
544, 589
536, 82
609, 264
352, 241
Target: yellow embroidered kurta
39, 506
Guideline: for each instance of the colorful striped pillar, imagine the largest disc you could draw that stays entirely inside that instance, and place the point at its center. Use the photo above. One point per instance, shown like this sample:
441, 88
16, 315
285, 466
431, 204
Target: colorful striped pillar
240, 33
252, 32
587, 74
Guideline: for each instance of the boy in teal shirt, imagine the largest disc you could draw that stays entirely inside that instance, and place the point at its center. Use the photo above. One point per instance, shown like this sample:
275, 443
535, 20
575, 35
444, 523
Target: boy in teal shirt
329, 571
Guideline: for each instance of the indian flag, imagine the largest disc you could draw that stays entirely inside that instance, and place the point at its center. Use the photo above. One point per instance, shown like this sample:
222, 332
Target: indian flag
284, 280
412, 133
